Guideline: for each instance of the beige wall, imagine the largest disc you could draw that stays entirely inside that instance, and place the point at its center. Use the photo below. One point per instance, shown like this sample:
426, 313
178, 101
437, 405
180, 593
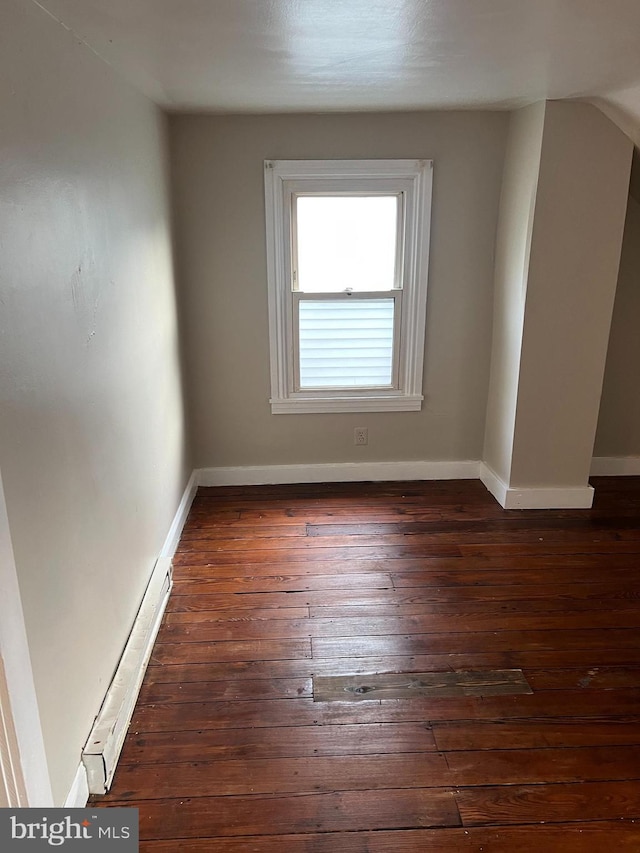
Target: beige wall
619, 420
513, 245
575, 251
91, 426
218, 183
4, 794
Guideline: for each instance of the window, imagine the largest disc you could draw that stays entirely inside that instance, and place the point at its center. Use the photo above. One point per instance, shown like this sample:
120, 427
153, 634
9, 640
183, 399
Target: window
347, 249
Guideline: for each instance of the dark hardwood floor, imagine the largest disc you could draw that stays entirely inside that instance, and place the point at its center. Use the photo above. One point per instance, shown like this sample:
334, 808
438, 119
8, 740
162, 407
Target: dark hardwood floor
228, 751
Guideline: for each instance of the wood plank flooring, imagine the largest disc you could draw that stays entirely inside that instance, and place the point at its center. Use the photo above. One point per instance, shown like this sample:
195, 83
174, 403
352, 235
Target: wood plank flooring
228, 751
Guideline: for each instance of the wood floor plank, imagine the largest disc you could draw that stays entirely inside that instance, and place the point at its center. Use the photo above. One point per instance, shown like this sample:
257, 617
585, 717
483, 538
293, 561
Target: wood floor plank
549, 803
230, 690
283, 775
592, 545
548, 576
571, 596
262, 614
544, 766
398, 545
564, 526
367, 646
209, 668
280, 583
231, 651
568, 838
341, 811
354, 514
203, 630
296, 742
445, 570
204, 569
591, 678
451, 736
488, 609
411, 685
226, 617
305, 712
224, 531
234, 551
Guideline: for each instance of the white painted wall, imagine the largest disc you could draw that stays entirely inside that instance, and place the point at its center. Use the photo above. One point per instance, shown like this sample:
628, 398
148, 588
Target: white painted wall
22, 752
573, 268
513, 246
559, 239
619, 419
219, 205
92, 444
4, 795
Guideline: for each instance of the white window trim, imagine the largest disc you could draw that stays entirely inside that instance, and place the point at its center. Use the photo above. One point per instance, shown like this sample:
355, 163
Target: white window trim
282, 179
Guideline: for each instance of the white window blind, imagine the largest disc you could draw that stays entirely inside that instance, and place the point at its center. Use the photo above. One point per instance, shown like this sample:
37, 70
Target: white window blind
346, 343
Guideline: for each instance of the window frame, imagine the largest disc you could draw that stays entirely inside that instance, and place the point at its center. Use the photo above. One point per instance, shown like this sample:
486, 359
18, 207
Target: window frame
284, 181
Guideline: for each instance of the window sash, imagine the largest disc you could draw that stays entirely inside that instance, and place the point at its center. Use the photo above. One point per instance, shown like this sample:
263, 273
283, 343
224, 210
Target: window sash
398, 276
298, 297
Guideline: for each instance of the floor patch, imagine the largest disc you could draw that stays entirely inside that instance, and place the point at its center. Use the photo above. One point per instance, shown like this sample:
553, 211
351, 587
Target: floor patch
411, 685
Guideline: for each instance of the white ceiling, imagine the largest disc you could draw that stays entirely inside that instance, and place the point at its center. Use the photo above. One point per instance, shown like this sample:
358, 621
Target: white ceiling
317, 55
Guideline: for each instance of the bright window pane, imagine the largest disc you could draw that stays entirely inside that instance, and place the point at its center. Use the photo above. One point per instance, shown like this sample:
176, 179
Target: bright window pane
346, 343
346, 241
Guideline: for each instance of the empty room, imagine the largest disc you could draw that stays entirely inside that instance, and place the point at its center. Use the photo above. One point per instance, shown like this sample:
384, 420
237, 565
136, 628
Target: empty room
320, 423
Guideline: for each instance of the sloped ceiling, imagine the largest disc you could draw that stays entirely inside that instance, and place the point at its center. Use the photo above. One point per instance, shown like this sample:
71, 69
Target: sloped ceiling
623, 107
323, 55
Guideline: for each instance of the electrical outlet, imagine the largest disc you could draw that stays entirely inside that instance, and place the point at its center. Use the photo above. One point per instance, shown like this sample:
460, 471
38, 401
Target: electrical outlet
361, 435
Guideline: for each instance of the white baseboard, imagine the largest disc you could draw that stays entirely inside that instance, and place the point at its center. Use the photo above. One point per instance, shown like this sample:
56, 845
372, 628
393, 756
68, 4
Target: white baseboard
577, 497
615, 466
338, 472
494, 484
102, 750
175, 531
79, 793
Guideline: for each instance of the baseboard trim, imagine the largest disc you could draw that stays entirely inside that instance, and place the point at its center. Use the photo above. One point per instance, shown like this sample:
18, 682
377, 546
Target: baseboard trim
493, 483
102, 750
338, 472
578, 497
615, 466
180, 518
79, 793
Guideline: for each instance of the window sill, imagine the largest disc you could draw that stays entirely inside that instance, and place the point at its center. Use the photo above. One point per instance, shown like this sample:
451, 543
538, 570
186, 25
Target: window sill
317, 405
